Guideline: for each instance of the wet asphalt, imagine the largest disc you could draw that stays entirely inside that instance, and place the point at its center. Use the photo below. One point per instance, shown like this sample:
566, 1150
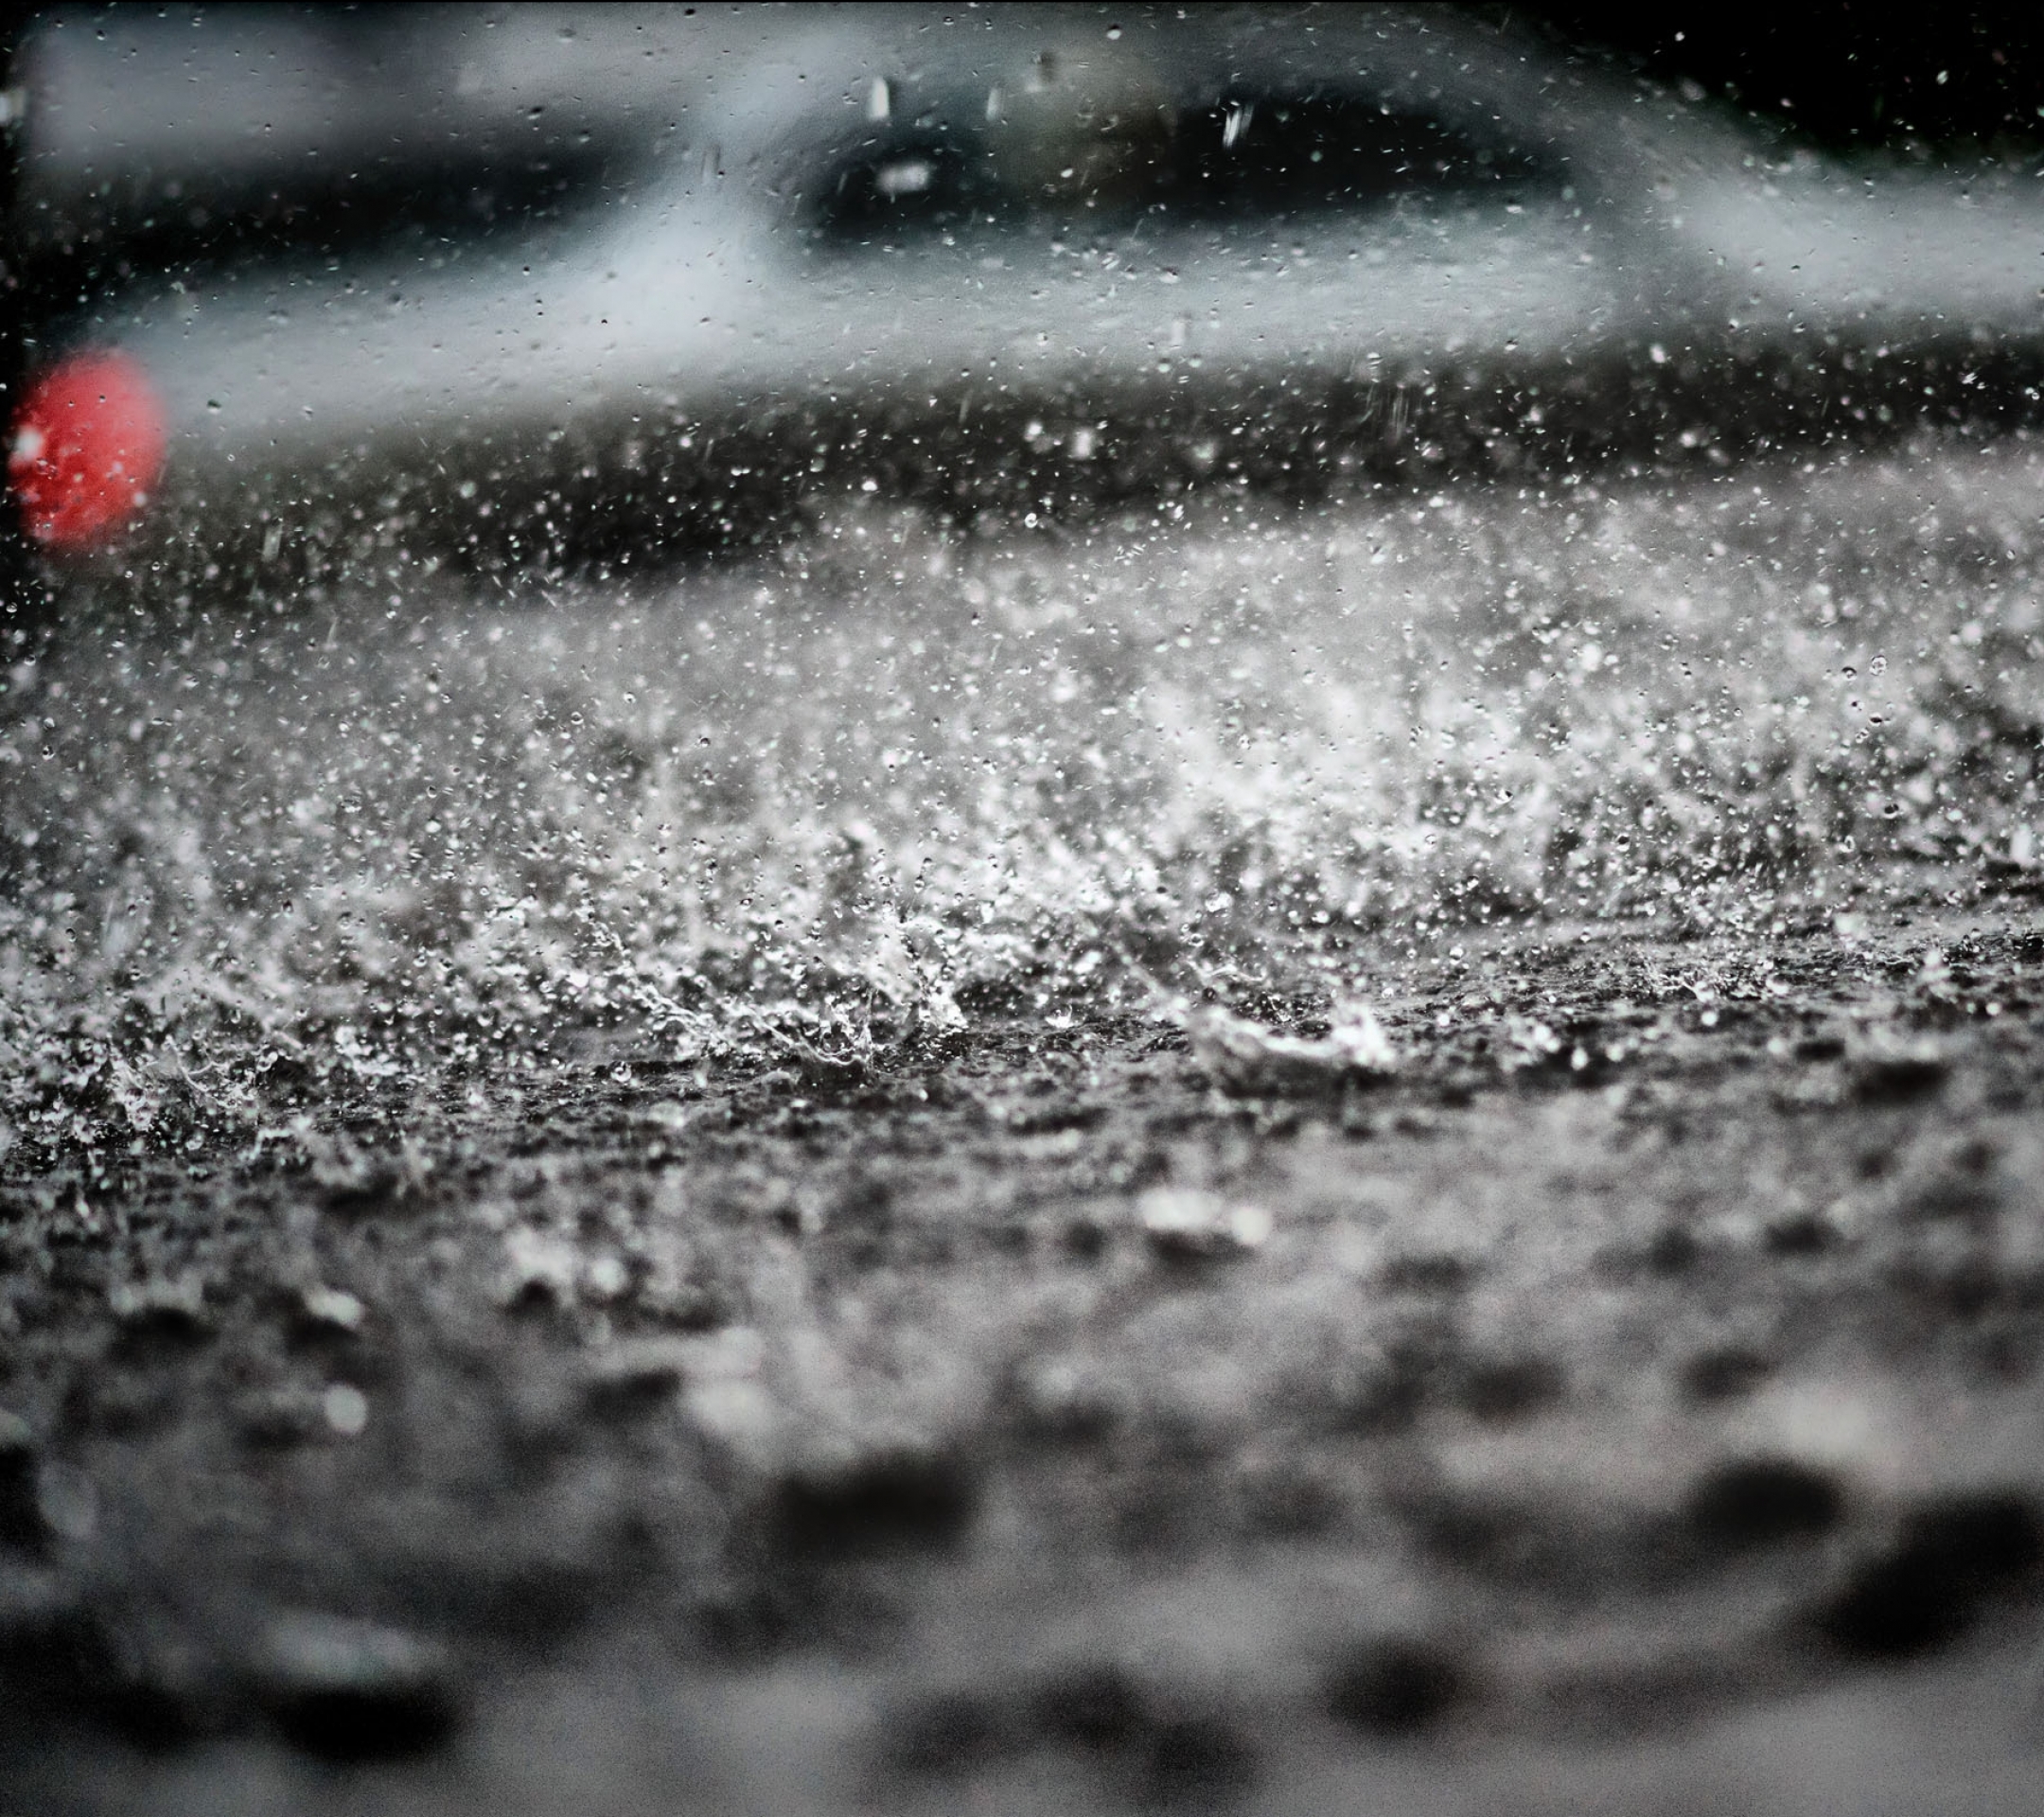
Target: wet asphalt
628, 1198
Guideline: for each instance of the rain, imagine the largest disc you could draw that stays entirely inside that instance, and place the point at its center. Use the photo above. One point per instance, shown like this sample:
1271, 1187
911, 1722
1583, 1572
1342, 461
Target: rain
747, 812
954, 913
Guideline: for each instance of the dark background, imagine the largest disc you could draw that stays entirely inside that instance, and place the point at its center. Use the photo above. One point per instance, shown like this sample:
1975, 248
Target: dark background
1841, 73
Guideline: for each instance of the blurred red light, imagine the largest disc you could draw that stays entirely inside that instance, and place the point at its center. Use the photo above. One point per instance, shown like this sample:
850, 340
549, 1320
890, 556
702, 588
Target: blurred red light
88, 447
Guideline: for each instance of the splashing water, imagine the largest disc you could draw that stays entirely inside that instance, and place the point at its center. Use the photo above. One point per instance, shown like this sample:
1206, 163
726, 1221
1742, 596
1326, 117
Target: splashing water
257, 869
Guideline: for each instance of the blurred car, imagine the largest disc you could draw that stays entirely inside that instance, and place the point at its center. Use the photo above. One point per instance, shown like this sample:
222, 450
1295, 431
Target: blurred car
991, 258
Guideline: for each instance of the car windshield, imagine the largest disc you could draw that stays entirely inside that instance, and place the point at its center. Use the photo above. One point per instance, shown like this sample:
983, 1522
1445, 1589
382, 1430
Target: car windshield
1075, 908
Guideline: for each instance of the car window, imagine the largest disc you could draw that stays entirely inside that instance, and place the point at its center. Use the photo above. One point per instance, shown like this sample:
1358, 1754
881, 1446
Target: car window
1242, 156
1307, 153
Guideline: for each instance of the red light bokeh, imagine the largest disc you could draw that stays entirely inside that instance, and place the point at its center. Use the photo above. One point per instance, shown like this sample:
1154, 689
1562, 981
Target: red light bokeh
87, 448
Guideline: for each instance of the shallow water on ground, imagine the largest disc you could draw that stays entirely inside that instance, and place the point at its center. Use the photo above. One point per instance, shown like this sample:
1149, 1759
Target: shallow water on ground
890, 777
691, 1113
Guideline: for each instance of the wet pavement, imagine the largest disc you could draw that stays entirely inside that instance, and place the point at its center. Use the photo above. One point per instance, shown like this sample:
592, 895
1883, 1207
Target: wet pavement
642, 1196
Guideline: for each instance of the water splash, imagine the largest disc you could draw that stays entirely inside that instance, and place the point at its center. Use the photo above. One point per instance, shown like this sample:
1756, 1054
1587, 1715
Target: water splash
262, 872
